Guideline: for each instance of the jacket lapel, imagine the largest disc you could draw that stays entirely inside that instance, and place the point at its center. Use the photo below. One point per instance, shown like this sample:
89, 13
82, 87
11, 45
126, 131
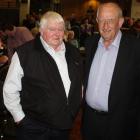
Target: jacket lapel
74, 67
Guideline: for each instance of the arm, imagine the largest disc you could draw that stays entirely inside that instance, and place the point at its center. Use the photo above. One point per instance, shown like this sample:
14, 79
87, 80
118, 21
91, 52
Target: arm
12, 87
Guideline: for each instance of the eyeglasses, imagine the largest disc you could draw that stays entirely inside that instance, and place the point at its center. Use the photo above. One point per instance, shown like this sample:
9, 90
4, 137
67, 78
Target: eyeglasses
107, 21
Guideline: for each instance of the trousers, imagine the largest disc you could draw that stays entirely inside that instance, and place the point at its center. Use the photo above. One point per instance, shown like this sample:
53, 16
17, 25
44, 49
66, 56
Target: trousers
30, 129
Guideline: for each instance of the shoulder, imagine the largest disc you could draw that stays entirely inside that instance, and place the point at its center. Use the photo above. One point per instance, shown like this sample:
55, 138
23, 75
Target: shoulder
91, 42
92, 39
26, 46
23, 31
130, 38
130, 41
22, 28
29, 51
34, 44
72, 51
70, 47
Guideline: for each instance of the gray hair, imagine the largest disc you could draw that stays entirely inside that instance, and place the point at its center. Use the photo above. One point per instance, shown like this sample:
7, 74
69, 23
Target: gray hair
48, 16
113, 4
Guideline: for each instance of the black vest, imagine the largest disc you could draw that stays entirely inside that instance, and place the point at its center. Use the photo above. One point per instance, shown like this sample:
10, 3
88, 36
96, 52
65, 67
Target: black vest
43, 96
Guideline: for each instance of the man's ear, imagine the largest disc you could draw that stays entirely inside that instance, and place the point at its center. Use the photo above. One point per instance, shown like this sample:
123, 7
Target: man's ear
121, 21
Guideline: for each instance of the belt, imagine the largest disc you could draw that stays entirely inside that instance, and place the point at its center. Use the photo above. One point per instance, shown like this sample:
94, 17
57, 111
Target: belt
98, 112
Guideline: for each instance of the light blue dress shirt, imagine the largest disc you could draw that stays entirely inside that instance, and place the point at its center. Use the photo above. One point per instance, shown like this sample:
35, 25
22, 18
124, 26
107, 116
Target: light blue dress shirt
100, 75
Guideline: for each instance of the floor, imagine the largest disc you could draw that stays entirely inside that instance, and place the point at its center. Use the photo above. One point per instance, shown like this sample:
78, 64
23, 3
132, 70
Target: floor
75, 133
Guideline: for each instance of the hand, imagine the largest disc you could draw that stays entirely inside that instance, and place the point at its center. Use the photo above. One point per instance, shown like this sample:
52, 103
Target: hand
18, 122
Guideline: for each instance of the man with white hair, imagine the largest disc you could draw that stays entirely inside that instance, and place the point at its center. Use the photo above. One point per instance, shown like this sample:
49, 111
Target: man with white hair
42, 89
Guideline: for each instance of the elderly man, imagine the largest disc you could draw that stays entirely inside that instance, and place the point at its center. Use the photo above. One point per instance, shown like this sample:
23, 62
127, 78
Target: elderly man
42, 89
112, 82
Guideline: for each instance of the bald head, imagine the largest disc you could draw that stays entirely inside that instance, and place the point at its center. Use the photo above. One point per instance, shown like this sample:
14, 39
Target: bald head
110, 20
110, 5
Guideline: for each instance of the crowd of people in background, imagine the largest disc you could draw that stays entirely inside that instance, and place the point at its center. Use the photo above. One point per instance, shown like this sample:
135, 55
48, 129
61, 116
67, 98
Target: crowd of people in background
83, 26
77, 29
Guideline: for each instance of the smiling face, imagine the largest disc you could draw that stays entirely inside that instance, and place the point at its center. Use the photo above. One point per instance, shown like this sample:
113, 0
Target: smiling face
109, 21
54, 33
52, 28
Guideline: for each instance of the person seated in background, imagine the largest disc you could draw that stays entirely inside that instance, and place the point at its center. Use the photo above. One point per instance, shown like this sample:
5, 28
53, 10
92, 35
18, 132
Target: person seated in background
71, 39
86, 30
16, 36
86, 27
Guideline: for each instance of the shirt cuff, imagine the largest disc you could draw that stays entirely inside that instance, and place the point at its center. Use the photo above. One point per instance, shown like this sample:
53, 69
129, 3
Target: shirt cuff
18, 116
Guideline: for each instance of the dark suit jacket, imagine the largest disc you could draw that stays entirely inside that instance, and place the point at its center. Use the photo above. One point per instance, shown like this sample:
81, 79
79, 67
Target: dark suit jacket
124, 94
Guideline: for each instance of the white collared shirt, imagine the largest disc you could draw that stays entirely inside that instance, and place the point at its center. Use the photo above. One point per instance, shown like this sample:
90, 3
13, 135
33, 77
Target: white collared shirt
59, 58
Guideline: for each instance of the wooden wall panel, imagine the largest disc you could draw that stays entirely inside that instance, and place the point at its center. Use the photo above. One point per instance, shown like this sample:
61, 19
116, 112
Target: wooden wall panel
4, 4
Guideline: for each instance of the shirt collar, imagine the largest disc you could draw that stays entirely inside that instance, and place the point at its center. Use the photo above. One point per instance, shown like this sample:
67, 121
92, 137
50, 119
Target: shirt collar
116, 41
